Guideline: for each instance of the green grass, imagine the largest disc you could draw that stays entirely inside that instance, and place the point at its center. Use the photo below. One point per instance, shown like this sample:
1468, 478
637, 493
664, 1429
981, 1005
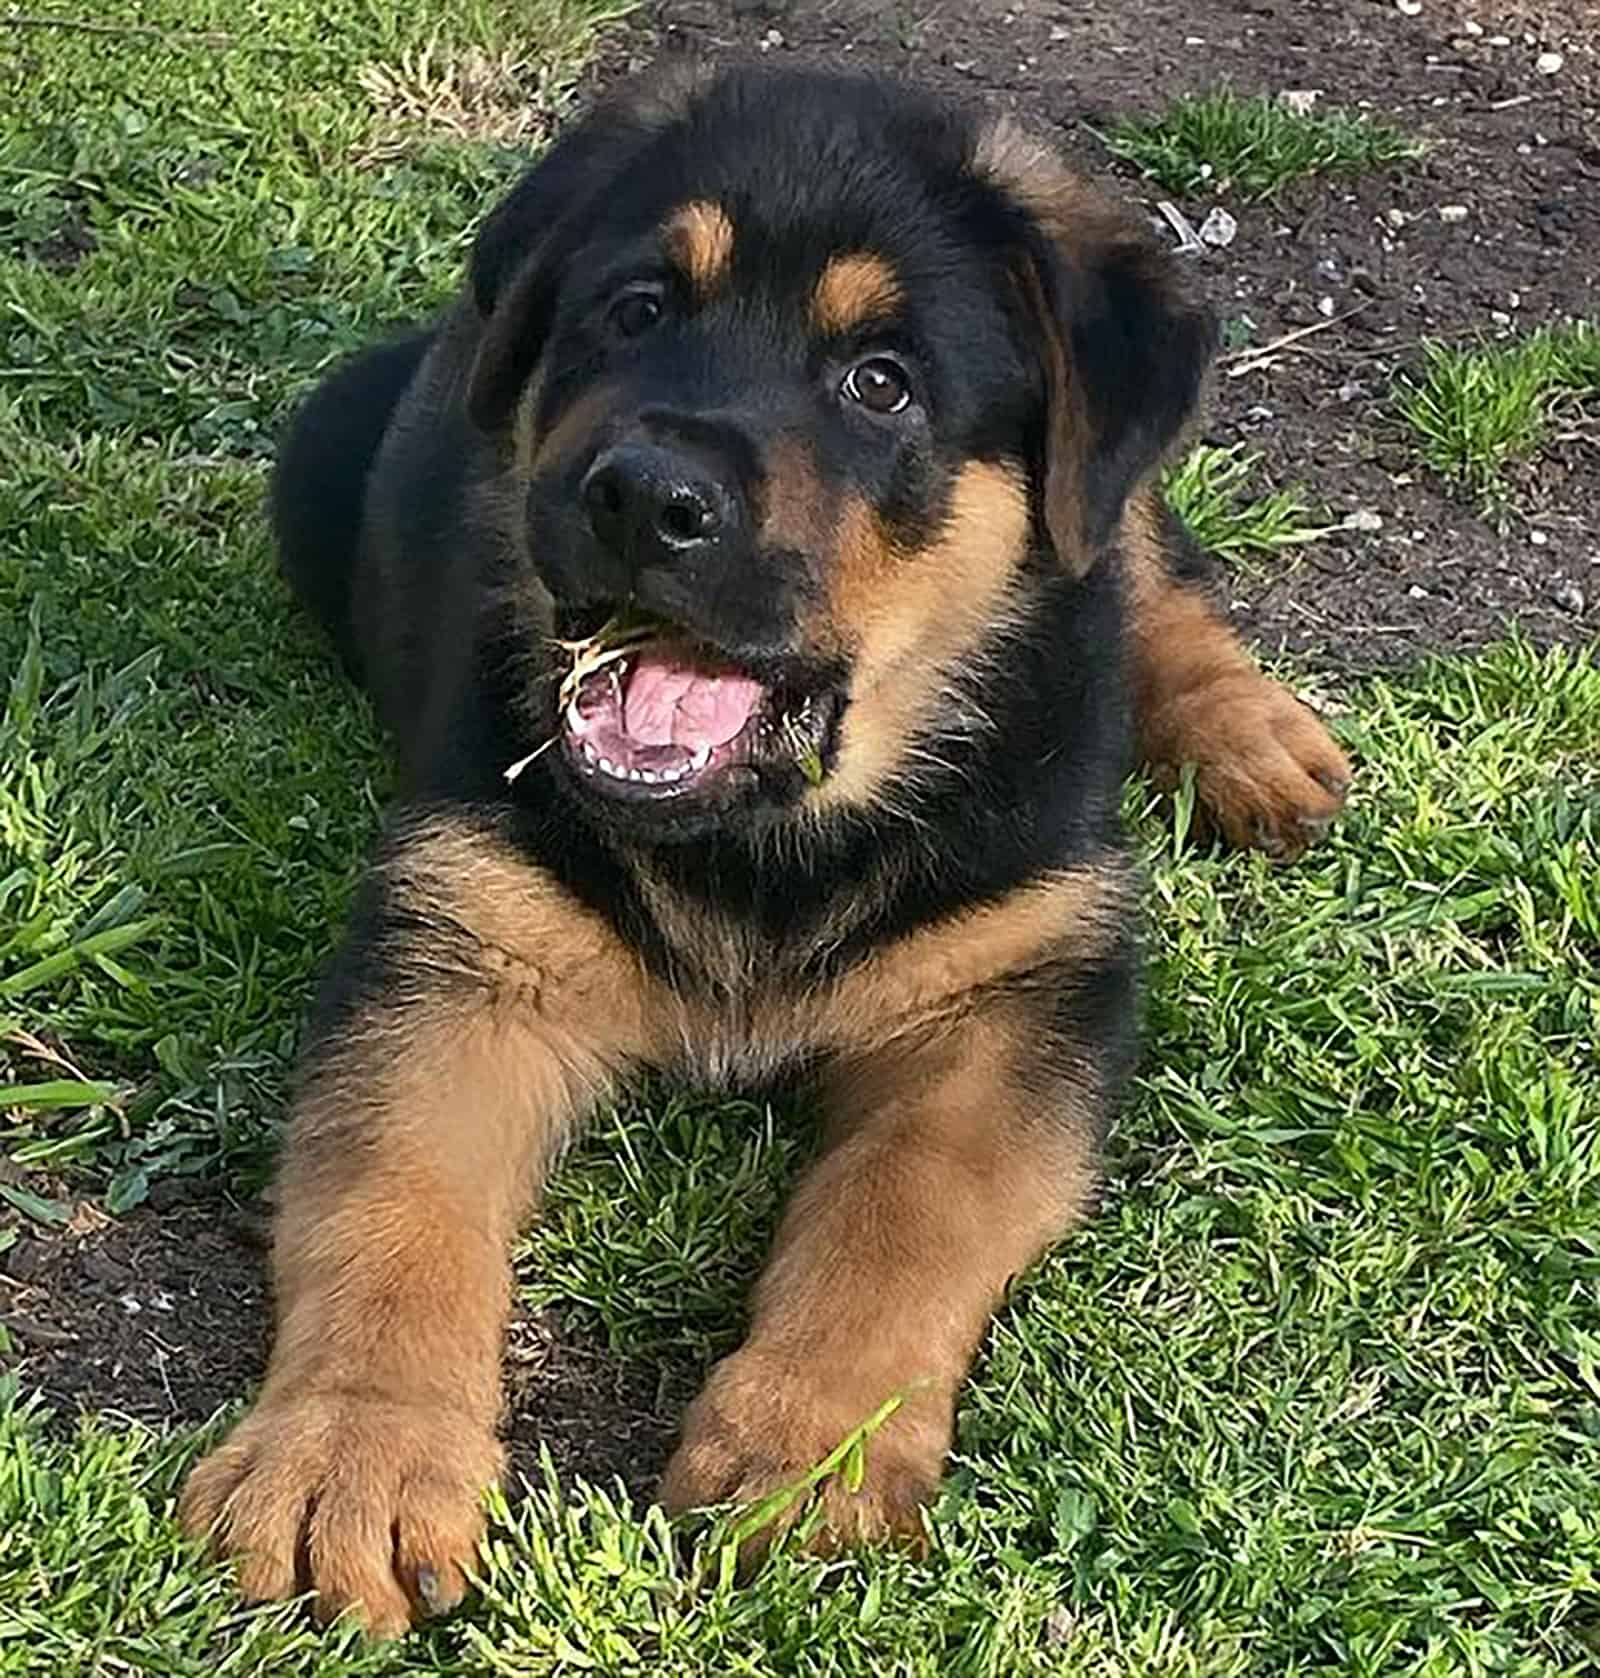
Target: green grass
1317, 1393
1475, 411
1209, 491
1221, 142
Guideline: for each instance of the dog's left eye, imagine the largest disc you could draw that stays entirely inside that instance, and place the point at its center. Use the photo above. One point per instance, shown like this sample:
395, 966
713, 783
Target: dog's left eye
635, 312
878, 384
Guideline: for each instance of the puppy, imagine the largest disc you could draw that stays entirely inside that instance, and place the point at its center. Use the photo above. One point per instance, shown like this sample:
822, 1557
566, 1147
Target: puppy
844, 406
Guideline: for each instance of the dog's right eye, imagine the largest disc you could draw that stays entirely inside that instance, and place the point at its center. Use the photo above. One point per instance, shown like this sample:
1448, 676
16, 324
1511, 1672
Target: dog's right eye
636, 311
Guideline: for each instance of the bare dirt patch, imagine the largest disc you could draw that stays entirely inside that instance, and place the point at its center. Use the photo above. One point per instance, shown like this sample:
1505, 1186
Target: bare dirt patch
162, 1317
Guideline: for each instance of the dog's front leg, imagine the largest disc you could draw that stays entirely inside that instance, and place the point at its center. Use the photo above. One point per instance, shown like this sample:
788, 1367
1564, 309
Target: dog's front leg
473, 1012
952, 1163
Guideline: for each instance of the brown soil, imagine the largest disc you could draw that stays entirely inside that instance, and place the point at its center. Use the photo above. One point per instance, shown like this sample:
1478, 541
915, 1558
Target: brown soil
161, 1317
1521, 150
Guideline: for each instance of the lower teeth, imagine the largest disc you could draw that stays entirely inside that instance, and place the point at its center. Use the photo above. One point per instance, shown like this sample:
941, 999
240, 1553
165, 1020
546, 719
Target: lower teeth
649, 777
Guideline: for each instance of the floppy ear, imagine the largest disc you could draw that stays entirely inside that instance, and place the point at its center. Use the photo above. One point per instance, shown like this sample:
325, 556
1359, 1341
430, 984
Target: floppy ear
517, 255
1124, 350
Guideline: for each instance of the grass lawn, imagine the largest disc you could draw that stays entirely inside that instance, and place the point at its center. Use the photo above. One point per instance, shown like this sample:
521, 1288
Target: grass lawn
1318, 1393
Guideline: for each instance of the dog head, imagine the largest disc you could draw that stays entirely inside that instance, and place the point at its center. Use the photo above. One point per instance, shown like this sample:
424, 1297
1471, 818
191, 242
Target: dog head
818, 386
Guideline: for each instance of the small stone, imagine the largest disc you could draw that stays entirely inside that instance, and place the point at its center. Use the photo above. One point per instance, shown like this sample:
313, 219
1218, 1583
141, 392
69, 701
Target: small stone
1395, 217
1499, 40
1408, 8
1219, 228
1569, 597
1258, 413
1351, 390
26, 1260
102, 1267
1417, 592
1366, 520
36, 1332
1325, 307
1549, 63
1514, 299
1452, 212
1539, 537
1500, 317
1059, 1626
1473, 27
1300, 100
1060, 32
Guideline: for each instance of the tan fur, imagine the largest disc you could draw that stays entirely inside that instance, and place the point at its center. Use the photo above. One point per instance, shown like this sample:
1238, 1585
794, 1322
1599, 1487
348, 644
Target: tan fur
854, 291
1266, 770
917, 617
699, 239
1067, 207
933, 975
892, 1256
418, 1139
795, 509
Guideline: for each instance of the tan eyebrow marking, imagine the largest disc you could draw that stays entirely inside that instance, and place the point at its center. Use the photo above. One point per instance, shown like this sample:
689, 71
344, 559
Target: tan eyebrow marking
699, 239
853, 290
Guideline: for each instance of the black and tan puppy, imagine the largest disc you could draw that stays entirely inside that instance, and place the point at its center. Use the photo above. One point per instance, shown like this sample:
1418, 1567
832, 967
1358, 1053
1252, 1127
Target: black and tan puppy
856, 399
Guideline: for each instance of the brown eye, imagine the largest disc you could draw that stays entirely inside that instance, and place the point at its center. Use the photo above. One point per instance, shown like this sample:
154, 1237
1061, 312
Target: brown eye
878, 384
635, 312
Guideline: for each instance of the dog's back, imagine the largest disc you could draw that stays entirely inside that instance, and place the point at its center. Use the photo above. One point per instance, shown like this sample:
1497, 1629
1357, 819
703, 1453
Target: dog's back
319, 487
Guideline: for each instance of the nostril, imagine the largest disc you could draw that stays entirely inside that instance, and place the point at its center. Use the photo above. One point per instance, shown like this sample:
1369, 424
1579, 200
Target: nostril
603, 494
686, 518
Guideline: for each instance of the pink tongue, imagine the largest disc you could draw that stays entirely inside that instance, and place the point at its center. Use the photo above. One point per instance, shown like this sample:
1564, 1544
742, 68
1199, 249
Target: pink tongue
672, 704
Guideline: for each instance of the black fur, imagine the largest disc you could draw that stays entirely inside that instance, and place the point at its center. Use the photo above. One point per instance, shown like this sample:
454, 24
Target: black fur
319, 488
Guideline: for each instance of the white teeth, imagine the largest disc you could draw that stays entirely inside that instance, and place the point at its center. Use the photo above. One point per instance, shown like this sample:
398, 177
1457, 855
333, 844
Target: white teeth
647, 777
575, 718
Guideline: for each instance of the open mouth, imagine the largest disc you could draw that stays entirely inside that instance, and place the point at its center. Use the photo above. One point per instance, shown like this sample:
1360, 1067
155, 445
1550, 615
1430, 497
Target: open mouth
647, 713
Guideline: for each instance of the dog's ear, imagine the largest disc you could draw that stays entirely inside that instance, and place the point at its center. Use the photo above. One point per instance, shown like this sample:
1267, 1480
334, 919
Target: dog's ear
1124, 350
518, 254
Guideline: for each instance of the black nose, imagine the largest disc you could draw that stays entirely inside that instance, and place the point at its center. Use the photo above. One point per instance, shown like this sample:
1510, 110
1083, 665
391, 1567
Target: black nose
647, 503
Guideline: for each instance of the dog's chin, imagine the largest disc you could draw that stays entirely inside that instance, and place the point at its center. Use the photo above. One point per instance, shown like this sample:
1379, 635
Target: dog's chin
673, 738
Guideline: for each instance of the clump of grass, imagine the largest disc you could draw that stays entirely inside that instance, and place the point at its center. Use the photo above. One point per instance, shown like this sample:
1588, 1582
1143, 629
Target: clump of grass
1208, 490
1476, 410
1254, 146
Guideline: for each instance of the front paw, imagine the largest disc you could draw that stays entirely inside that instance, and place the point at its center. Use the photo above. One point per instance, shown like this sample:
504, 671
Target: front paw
762, 1424
1267, 773
373, 1504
